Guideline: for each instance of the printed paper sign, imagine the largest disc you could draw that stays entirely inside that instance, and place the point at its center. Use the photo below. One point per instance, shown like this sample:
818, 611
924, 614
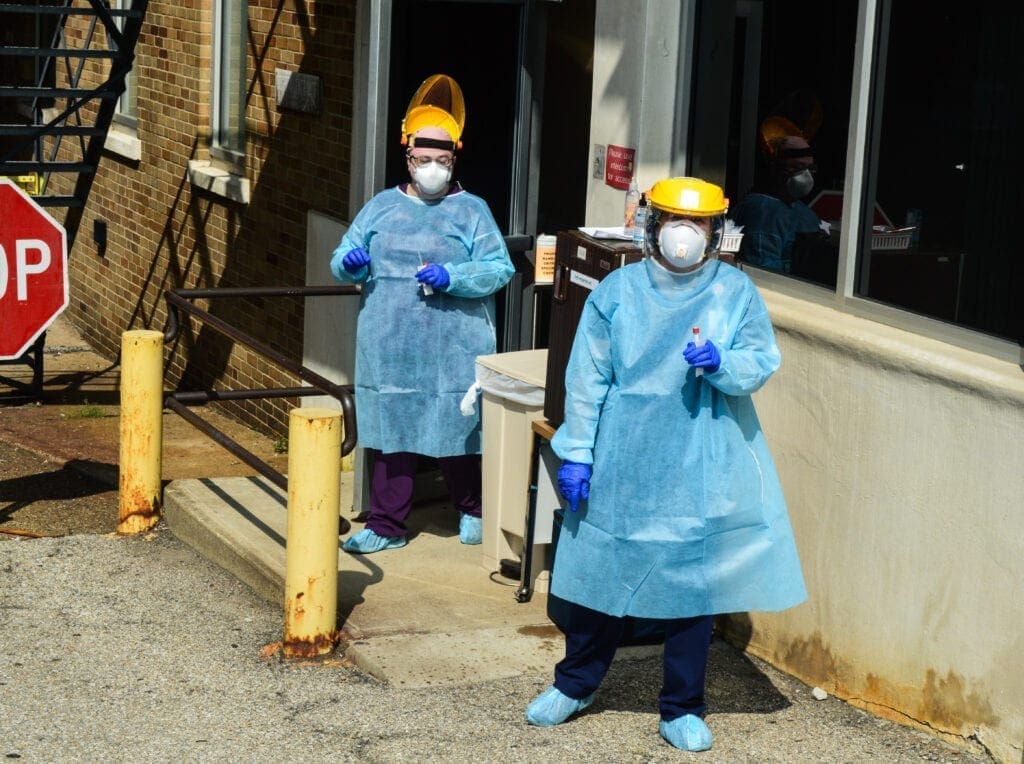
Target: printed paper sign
619, 167
584, 281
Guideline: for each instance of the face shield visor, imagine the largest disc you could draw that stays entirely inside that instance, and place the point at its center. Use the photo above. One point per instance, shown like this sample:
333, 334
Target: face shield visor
683, 241
437, 103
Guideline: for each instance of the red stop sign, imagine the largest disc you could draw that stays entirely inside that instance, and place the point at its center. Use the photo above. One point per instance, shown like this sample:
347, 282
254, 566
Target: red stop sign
33, 270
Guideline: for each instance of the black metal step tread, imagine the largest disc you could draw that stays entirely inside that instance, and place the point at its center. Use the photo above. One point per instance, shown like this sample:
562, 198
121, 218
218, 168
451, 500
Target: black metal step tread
20, 168
58, 201
56, 52
60, 10
23, 130
8, 91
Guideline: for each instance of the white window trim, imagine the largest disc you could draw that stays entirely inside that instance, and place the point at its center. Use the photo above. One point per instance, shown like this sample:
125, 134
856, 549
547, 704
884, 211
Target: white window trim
123, 141
234, 159
127, 122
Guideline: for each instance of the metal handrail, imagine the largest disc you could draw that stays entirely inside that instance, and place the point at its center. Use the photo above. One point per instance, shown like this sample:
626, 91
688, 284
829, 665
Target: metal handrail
178, 302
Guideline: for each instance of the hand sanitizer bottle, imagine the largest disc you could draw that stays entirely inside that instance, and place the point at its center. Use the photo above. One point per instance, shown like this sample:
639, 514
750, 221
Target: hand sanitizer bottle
640, 223
632, 201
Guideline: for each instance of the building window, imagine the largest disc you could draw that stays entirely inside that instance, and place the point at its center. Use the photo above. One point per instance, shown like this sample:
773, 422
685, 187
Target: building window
229, 78
127, 113
792, 90
945, 162
917, 137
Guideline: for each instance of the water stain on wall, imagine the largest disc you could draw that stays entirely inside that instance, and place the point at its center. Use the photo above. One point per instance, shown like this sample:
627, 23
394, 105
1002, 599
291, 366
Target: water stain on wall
949, 705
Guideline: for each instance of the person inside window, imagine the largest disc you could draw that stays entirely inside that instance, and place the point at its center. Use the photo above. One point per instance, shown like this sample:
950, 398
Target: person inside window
775, 216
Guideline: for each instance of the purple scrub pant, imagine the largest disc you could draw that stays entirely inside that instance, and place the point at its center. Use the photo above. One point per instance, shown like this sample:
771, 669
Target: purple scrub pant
591, 638
391, 488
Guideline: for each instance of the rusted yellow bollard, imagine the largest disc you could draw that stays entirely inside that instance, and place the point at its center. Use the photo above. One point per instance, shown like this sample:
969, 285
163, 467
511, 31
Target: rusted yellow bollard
311, 554
142, 405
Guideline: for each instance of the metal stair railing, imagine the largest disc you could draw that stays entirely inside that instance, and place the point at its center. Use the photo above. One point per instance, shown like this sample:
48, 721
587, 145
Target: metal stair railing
29, 152
120, 28
179, 302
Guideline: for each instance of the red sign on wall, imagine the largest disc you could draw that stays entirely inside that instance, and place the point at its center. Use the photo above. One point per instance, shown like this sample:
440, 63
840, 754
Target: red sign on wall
618, 166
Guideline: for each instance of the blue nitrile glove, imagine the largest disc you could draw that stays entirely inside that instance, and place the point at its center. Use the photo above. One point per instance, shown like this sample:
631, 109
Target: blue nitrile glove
434, 275
704, 357
574, 483
355, 259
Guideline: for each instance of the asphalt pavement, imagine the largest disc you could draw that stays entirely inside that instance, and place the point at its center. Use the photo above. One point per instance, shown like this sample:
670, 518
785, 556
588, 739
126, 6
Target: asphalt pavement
138, 650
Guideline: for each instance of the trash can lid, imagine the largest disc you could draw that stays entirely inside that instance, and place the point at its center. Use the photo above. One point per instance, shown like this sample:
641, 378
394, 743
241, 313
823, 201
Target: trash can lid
527, 365
518, 376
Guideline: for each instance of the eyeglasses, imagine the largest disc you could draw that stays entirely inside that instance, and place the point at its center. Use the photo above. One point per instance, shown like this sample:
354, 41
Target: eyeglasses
423, 161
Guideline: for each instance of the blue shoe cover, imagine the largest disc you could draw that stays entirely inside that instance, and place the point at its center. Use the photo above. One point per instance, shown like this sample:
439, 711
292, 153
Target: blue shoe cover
689, 733
368, 542
553, 707
470, 529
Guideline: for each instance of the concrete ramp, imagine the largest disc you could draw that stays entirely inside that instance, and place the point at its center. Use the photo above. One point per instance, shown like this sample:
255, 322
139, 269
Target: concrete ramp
424, 615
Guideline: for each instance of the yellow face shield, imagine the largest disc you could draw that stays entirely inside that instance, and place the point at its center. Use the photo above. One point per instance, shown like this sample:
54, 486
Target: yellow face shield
437, 103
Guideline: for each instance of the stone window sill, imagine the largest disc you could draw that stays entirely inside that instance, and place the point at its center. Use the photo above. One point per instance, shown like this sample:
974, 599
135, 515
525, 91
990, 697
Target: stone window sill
124, 143
215, 180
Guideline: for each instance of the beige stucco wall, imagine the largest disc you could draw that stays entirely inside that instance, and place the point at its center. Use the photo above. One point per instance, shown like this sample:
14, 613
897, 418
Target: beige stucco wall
902, 463
635, 70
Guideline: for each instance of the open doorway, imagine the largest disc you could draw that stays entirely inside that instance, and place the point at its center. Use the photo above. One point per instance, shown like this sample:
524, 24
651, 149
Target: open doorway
478, 44
525, 69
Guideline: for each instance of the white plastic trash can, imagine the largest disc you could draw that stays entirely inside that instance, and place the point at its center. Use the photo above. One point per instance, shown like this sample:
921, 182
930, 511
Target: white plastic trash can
513, 397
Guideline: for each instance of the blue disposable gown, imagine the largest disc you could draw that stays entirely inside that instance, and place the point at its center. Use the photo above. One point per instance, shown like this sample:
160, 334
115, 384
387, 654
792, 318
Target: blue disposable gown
770, 228
416, 353
686, 515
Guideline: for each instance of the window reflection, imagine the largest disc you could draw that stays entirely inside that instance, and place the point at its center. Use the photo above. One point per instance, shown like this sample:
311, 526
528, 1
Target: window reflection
792, 128
948, 127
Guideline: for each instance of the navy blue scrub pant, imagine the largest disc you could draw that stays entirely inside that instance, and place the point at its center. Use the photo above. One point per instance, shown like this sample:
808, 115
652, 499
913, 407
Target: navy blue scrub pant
392, 484
591, 639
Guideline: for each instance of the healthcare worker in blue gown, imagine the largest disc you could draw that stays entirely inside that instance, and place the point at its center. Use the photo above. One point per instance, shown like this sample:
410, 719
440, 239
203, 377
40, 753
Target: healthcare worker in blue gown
430, 257
674, 508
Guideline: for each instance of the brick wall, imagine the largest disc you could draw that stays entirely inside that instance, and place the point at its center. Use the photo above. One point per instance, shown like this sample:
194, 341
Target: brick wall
163, 233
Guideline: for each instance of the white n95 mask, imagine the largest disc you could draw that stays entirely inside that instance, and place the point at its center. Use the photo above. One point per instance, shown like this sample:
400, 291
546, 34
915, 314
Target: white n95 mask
798, 186
682, 243
431, 178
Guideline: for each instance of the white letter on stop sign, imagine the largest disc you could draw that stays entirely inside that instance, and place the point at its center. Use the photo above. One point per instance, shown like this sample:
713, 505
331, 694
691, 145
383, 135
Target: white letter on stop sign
22, 269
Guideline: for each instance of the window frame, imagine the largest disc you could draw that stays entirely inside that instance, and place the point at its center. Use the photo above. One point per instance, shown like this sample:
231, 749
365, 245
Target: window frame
221, 118
862, 142
126, 112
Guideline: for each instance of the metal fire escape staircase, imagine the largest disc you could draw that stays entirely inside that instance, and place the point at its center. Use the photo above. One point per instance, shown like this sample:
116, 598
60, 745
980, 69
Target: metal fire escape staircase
44, 50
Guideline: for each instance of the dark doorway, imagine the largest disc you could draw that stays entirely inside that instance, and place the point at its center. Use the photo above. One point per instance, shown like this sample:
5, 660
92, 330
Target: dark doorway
489, 48
565, 132
477, 43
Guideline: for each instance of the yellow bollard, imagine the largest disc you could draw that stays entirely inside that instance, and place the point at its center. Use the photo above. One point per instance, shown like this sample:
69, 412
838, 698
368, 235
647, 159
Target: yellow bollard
142, 406
311, 552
